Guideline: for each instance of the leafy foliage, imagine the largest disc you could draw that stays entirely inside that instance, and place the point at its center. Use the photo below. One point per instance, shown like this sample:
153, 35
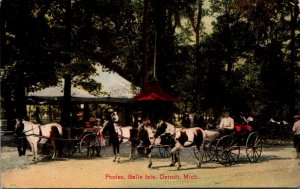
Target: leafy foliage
251, 52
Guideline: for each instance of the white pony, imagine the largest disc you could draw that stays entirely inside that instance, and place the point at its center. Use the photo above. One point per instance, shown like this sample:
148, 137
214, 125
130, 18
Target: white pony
212, 135
35, 133
183, 137
164, 135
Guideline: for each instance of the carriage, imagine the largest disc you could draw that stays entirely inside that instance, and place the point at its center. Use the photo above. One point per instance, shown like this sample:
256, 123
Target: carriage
84, 141
227, 149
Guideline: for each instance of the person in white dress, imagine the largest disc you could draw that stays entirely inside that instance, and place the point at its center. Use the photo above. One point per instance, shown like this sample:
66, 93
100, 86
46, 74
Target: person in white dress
227, 124
296, 132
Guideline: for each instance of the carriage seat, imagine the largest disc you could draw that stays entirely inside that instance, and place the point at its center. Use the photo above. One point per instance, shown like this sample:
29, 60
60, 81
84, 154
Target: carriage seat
242, 129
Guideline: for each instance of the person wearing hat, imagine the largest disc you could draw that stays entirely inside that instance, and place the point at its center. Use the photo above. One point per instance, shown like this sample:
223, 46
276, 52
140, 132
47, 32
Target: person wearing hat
108, 123
186, 121
115, 117
296, 132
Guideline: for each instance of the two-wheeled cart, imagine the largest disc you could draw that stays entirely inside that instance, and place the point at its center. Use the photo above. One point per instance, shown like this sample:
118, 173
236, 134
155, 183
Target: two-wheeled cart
227, 149
85, 141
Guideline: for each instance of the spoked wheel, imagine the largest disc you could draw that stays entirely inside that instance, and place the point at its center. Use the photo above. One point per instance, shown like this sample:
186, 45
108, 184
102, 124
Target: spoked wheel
227, 150
141, 150
165, 151
88, 144
207, 154
253, 147
70, 147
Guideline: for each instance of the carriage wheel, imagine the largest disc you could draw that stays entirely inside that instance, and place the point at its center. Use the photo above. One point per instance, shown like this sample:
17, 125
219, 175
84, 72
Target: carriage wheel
233, 153
165, 151
141, 150
221, 145
207, 154
70, 148
89, 143
227, 150
253, 147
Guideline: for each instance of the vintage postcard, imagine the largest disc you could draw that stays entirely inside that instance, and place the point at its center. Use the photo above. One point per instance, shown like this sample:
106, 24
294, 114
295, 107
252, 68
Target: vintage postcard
150, 94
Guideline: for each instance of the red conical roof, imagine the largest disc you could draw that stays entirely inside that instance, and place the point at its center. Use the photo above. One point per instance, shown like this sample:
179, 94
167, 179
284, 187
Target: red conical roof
153, 92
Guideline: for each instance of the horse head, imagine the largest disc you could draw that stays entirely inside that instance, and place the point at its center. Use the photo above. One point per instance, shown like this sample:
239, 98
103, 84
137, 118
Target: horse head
168, 139
19, 127
161, 129
211, 135
108, 126
144, 136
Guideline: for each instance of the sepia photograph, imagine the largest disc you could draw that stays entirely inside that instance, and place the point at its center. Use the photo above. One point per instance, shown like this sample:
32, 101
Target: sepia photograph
150, 94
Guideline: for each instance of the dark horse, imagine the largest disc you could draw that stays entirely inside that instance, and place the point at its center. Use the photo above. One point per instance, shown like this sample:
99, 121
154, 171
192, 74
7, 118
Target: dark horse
117, 135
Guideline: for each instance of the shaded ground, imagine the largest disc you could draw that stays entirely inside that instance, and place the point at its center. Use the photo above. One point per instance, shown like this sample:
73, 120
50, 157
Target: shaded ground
276, 168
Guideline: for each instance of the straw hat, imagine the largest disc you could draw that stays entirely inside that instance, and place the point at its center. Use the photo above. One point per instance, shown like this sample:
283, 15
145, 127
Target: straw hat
297, 116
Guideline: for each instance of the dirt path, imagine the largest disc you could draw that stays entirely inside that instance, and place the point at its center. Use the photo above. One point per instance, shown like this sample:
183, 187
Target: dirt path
277, 168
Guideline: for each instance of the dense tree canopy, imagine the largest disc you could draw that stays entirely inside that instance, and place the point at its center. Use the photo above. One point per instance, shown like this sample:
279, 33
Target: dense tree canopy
247, 61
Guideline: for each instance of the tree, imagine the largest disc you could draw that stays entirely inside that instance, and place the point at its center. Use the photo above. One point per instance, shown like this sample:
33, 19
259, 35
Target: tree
269, 21
63, 45
24, 50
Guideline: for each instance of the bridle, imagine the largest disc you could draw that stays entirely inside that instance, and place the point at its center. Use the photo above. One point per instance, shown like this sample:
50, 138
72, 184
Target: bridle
32, 129
165, 133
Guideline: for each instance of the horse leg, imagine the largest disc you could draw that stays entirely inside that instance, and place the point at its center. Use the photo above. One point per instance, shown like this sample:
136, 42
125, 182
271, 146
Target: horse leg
118, 152
114, 150
24, 146
34, 150
178, 158
98, 151
20, 145
132, 150
201, 156
33, 141
150, 158
174, 155
98, 146
53, 142
174, 159
31, 146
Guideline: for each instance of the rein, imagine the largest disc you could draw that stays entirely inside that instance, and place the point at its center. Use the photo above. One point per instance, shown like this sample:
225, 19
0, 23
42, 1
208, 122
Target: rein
173, 135
40, 136
32, 130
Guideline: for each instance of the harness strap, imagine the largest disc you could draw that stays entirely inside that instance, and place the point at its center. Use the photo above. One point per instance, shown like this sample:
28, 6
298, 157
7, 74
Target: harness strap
49, 137
40, 133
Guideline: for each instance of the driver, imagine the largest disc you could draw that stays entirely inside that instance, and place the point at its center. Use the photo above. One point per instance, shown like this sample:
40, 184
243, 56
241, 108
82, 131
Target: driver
227, 124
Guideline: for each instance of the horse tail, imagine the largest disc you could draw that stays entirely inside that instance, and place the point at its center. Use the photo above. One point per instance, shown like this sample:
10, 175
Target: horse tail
56, 135
199, 137
59, 128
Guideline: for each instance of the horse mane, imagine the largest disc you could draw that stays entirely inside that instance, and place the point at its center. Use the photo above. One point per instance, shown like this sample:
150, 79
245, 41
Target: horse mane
20, 129
161, 129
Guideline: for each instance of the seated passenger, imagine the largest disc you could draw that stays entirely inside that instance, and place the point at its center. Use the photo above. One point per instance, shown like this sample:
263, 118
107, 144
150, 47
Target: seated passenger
227, 124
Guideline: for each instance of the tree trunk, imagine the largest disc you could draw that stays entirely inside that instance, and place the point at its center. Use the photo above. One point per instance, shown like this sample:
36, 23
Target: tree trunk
20, 97
294, 17
66, 120
8, 106
145, 42
196, 26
